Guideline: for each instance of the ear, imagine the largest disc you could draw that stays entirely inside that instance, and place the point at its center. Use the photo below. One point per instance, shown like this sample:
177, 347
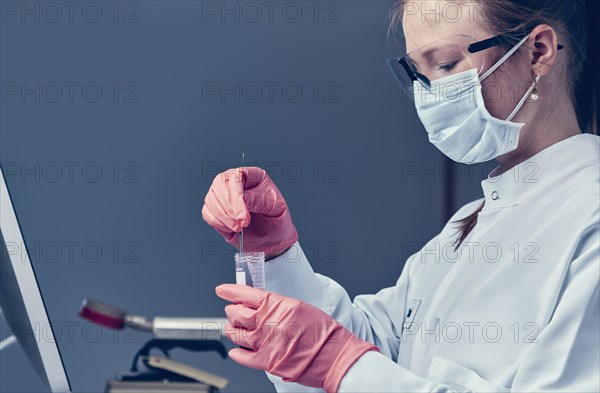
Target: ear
544, 49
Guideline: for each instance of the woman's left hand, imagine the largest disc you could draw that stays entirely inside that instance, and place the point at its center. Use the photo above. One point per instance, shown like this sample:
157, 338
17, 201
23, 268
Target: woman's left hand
289, 338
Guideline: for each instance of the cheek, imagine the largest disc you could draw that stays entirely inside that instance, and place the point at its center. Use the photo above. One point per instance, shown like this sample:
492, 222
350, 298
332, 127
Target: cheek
503, 89
496, 96
502, 92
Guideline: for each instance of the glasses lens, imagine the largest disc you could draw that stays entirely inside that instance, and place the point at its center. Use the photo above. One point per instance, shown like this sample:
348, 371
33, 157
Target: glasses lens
404, 74
439, 59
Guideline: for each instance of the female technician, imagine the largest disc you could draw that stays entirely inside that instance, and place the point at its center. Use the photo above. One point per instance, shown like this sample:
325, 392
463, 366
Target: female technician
515, 83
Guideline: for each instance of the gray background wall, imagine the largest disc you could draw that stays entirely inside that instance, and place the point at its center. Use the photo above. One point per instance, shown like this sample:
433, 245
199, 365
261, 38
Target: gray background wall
113, 125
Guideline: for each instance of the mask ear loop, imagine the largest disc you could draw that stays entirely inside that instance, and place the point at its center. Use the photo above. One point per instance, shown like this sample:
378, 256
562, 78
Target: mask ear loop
525, 97
503, 59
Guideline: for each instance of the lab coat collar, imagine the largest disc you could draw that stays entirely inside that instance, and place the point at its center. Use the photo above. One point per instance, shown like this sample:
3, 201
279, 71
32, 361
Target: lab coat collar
557, 166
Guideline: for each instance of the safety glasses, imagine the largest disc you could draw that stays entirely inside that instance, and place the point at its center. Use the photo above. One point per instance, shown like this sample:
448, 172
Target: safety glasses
442, 58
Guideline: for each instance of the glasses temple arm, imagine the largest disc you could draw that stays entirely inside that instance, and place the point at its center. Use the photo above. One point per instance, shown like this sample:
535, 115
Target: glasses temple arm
494, 41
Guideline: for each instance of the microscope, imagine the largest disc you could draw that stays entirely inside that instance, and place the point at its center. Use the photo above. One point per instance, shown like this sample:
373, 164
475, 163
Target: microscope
162, 374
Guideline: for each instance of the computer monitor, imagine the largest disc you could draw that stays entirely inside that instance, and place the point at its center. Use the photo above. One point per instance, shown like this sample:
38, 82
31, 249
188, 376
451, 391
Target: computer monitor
21, 301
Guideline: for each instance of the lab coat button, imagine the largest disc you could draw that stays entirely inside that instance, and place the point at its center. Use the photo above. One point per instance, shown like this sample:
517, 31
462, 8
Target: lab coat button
495, 195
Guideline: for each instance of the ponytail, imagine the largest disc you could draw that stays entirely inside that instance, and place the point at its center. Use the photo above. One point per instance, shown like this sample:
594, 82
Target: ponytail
466, 225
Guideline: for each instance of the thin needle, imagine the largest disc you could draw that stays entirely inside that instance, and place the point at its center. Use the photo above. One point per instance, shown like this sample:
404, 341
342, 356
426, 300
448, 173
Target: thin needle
242, 229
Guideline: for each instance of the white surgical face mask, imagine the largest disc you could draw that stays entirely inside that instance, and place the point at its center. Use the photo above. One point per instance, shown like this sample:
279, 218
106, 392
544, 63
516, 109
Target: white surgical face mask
458, 123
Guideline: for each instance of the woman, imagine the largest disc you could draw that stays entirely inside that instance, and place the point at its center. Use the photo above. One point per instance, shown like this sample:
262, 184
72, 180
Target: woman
506, 297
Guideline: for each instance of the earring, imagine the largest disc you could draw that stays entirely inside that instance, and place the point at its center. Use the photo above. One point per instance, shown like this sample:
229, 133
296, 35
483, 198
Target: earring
535, 96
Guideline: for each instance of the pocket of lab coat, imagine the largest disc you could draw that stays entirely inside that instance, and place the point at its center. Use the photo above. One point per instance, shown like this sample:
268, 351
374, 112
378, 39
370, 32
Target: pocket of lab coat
459, 378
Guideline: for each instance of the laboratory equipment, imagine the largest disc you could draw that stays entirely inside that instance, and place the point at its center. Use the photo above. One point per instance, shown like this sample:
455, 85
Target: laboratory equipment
163, 374
250, 268
243, 192
21, 299
162, 328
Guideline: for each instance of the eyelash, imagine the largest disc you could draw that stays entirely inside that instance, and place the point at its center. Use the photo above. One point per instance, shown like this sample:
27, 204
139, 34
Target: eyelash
447, 67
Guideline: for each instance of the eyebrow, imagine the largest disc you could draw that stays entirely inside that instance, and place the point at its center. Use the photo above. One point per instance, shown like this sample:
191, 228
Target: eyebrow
428, 54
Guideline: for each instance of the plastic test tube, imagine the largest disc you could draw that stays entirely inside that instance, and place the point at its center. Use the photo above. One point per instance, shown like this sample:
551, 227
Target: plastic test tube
250, 268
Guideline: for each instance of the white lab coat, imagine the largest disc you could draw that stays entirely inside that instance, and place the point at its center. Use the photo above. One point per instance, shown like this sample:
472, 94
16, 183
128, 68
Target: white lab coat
515, 309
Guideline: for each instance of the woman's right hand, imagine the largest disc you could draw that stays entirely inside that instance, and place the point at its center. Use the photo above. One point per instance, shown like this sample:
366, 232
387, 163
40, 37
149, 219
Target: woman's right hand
247, 198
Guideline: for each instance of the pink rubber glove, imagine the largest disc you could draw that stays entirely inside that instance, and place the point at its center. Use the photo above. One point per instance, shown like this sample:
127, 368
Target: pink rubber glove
247, 198
289, 338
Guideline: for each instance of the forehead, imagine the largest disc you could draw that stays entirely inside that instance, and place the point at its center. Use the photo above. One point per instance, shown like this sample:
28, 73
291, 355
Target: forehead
425, 21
